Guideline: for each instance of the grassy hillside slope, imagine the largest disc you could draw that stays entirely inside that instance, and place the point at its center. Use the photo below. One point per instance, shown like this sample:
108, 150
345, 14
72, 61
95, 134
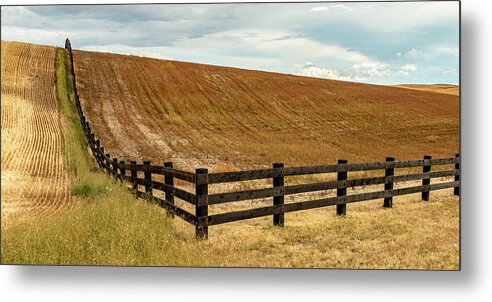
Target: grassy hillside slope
225, 118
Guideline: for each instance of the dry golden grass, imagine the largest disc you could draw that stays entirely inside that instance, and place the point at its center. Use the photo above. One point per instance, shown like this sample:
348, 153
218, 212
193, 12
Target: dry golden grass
212, 116
439, 88
412, 235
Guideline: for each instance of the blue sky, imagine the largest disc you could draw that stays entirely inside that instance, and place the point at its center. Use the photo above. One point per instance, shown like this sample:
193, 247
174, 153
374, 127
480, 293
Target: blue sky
376, 42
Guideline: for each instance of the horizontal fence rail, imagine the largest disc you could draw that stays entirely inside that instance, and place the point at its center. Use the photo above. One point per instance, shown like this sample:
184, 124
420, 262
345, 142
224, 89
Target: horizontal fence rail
297, 189
141, 175
318, 203
276, 172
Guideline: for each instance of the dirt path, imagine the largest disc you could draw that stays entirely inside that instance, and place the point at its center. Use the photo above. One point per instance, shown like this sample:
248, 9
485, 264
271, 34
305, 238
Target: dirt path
34, 175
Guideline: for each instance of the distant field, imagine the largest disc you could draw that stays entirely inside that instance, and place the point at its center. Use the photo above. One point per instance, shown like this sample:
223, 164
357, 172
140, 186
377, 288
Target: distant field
440, 88
226, 118
35, 176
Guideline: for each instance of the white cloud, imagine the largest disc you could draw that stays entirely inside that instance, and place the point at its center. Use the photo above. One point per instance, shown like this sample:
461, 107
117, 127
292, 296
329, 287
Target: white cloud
357, 72
413, 54
311, 70
409, 67
287, 44
406, 69
431, 53
33, 35
320, 9
371, 69
332, 8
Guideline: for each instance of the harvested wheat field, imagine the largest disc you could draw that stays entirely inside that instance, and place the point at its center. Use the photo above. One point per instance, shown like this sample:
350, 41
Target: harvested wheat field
439, 88
35, 178
225, 118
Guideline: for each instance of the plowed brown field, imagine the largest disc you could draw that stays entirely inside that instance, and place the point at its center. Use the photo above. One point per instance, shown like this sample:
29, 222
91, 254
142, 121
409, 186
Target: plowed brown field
34, 174
225, 118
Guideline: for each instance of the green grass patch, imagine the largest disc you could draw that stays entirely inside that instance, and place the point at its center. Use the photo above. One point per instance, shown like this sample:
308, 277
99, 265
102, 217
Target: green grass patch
75, 144
88, 189
113, 229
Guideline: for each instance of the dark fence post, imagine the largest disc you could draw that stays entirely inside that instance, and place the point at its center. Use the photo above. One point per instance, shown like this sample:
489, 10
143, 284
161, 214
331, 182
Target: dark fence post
103, 161
342, 175
108, 163
388, 185
133, 177
426, 179
68, 44
98, 153
122, 171
278, 219
148, 179
201, 191
115, 168
457, 176
91, 142
169, 180
77, 104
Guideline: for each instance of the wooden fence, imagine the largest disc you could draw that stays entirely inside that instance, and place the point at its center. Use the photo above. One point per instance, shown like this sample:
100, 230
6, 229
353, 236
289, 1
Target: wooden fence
140, 175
